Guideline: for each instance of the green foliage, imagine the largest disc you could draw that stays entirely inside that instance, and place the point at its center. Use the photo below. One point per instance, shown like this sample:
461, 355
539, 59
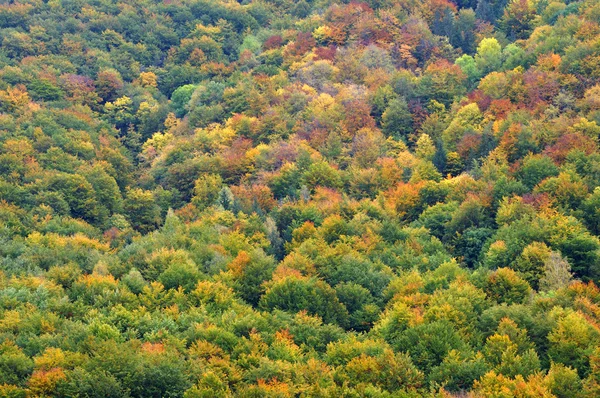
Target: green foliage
141, 210
458, 371
535, 169
489, 56
314, 296
428, 344
397, 120
572, 341
181, 97
206, 190
504, 285
15, 366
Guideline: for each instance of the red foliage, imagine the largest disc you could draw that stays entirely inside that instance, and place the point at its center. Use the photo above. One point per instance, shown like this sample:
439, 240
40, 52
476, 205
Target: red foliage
273, 42
318, 135
326, 53
414, 33
354, 20
254, 197
347, 15
537, 200
483, 101
419, 113
284, 152
187, 213
468, 145
235, 162
304, 43
441, 5
540, 86
80, 88
327, 199
569, 142
358, 116
500, 107
112, 234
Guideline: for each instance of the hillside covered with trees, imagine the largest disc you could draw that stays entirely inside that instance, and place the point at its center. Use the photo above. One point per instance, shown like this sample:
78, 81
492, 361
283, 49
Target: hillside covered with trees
314, 198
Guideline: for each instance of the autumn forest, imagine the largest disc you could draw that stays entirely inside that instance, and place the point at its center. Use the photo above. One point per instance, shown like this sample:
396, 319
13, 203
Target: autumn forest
314, 198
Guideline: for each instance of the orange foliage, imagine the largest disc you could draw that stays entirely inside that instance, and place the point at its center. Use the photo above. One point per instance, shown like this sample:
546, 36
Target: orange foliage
153, 348
43, 382
238, 264
14, 98
568, 142
403, 198
257, 196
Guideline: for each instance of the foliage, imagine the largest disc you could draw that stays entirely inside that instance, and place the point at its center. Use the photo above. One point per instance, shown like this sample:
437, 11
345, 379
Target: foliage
298, 198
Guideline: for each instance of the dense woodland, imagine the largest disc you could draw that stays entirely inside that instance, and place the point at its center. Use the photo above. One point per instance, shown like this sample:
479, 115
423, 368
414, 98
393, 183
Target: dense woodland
277, 198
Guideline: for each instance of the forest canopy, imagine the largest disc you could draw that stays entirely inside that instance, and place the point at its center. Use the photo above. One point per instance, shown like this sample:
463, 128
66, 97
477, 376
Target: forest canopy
314, 198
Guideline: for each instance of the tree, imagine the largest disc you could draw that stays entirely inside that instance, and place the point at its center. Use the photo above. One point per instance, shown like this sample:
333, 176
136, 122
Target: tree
518, 19
78, 193
557, 273
360, 305
160, 372
469, 67
397, 121
180, 274
572, 340
15, 366
429, 343
467, 119
505, 286
490, 10
531, 264
392, 371
107, 193
489, 56
180, 99
108, 84
536, 168
563, 381
309, 294
141, 210
321, 174
250, 271
464, 30
509, 351
459, 370
591, 213
96, 384
206, 190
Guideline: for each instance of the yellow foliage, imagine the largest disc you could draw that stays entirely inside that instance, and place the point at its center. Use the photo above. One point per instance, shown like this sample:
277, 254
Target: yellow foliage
148, 79
10, 321
14, 98
42, 383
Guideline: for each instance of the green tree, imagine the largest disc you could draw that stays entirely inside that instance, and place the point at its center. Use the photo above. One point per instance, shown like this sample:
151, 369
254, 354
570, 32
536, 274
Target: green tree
141, 210
78, 193
15, 366
397, 121
309, 294
489, 56
505, 286
518, 19
250, 271
181, 97
536, 168
572, 340
206, 190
